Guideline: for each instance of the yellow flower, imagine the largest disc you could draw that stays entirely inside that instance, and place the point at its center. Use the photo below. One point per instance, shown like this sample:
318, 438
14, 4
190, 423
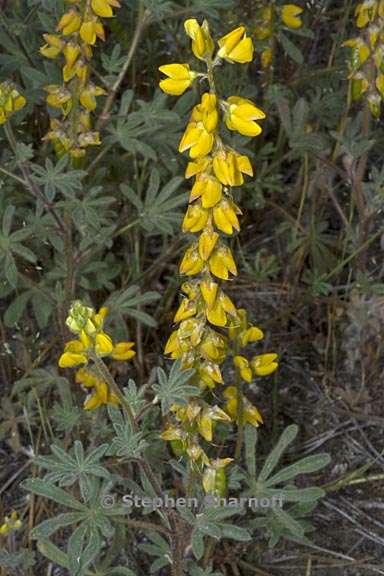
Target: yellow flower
241, 115
180, 77
243, 365
217, 313
221, 263
360, 52
365, 12
69, 23
53, 46
71, 52
236, 46
264, 364
191, 263
90, 30
103, 8
251, 414
100, 395
290, 15
208, 188
207, 419
229, 167
207, 242
211, 475
89, 94
123, 351
266, 57
225, 216
198, 137
10, 523
252, 334
202, 43
187, 309
195, 218
103, 344
73, 355
10, 101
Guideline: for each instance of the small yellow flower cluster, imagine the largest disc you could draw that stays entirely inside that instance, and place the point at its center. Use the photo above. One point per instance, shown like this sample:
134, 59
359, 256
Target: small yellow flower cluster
10, 524
367, 59
10, 101
77, 32
100, 393
92, 342
269, 19
209, 325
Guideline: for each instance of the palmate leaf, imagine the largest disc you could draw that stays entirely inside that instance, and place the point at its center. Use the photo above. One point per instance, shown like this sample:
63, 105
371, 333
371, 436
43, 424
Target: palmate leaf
157, 213
173, 389
287, 521
127, 301
56, 178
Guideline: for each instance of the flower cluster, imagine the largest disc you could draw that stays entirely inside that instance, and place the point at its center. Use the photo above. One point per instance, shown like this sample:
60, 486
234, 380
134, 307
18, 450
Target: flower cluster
209, 326
77, 32
10, 523
269, 20
10, 101
92, 343
367, 59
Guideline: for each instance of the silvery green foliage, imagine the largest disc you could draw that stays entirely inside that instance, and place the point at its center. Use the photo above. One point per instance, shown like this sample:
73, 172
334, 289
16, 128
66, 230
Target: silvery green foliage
174, 388
265, 482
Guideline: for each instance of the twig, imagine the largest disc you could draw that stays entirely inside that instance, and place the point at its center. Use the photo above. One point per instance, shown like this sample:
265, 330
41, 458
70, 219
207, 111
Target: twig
142, 22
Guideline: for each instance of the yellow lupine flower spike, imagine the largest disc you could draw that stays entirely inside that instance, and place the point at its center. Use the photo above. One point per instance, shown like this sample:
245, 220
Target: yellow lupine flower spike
211, 215
290, 15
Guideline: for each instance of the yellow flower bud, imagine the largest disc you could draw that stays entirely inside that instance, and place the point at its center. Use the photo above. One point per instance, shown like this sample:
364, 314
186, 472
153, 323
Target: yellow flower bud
202, 43
207, 242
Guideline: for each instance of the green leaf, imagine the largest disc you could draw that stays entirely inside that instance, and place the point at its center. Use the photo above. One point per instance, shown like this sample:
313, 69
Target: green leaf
303, 466
273, 458
291, 49
50, 526
16, 309
286, 521
173, 389
235, 532
42, 488
75, 550
53, 553
197, 543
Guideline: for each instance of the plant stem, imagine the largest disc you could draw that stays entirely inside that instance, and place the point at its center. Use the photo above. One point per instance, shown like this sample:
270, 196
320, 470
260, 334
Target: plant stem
28, 181
142, 21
